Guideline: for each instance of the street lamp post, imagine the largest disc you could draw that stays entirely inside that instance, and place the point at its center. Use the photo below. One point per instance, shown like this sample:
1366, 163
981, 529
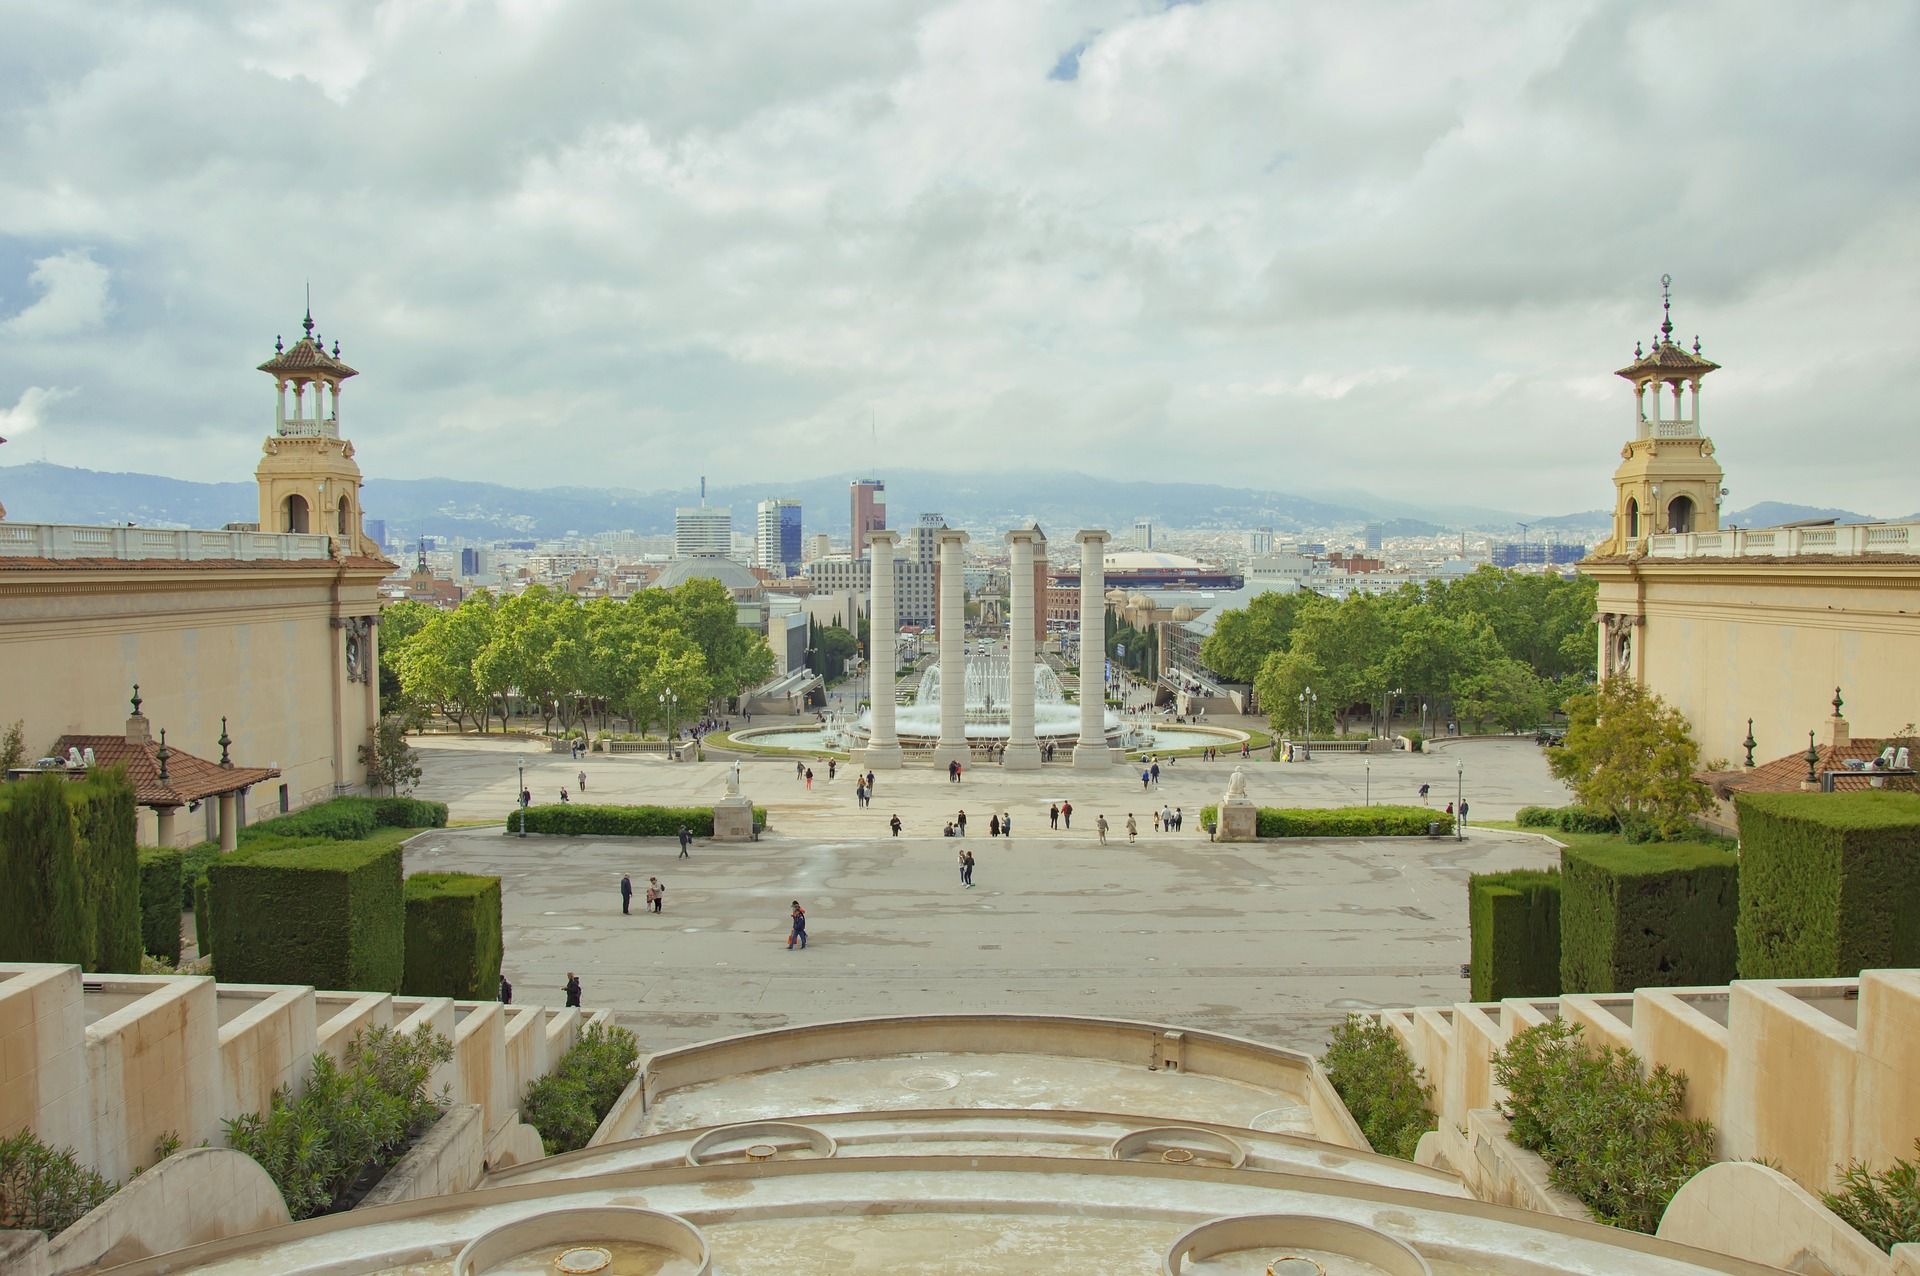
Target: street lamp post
1369, 782
1307, 701
1459, 800
670, 705
520, 796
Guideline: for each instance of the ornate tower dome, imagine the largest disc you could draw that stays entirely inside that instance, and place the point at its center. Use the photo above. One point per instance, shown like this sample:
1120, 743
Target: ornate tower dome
309, 481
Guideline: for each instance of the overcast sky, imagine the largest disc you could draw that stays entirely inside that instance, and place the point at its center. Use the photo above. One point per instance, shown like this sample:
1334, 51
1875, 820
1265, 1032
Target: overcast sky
1395, 248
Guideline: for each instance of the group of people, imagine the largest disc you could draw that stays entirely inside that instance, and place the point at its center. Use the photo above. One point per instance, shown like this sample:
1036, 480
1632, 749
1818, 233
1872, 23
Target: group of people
1168, 819
998, 825
655, 897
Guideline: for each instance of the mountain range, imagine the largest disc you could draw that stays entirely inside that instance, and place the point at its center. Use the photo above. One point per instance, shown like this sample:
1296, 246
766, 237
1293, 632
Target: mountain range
42, 493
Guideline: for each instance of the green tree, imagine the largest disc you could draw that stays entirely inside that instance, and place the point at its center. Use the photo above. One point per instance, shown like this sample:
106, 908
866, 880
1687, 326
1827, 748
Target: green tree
13, 747
1507, 692
833, 647
437, 663
1278, 685
392, 764
1631, 755
1350, 644
1242, 639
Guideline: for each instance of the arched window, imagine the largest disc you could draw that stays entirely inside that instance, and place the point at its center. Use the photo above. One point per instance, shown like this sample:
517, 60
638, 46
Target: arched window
1680, 514
346, 516
294, 511
1633, 518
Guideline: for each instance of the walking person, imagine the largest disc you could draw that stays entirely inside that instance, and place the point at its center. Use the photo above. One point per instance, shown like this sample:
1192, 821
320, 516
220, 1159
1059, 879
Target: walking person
809, 779
1133, 830
1006, 824
1066, 815
656, 893
799, 926
833, 768
869, 785
960, 860
966, 868
686, 840
626, 893
506, 992
1156, 821
572, 989
563, 794
1053, 816
894, 824
1179, 819
799, 770
1100, 828
583, 781
993, 826
1155, 769
960, 822
1146, 778
1463, 816
1424, 790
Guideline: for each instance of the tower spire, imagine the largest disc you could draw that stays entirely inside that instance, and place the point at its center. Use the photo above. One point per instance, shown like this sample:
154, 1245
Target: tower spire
307, 323
1666, 307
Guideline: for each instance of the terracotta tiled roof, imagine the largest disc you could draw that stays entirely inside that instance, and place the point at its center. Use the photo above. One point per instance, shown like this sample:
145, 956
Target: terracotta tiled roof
307, 355
1667, 356
1786, 775
189, 779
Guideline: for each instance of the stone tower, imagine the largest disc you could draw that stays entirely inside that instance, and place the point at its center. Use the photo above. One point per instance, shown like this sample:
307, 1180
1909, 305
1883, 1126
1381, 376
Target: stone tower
1668, 480
308, 479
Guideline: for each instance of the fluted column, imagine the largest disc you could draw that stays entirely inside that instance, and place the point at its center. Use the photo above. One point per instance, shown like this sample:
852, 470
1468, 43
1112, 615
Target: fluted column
953, 650
1092, 753
883, 629
1023, 750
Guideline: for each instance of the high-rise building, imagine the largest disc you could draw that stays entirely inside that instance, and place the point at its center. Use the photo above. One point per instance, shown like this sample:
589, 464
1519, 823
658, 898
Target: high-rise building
376, 530
1374, 535
1259, 542
476, 562
1143, 533
869, 513
822, 545
776, 541
701, 532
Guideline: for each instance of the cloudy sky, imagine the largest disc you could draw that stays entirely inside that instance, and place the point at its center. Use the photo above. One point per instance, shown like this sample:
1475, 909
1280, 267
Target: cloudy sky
1397, 248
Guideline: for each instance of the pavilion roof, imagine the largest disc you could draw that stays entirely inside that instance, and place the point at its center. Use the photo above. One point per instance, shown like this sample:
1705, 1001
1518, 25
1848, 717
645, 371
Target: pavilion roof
1788, 774
1667, 356
189, 778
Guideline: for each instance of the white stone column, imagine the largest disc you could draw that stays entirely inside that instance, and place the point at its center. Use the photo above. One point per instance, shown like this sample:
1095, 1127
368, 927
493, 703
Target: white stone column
883, 628
229, 824
953, 651
1023, 750
163, 826
1092, 753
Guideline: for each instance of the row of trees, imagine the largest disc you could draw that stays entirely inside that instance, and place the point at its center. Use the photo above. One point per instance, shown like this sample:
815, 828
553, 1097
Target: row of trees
658, 658
1498, 647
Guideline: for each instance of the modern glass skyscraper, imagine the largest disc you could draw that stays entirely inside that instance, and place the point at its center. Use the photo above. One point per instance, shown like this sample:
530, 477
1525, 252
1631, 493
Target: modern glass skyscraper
776, 536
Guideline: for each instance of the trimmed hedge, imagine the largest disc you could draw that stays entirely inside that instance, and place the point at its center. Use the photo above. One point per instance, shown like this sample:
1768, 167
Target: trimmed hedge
160, 902
580, 819
202, 916
1830, 883
193, 866
1568, 819
332, 916
453, 944
1351, 821
1515, 920
69, 872
1647, 915
349, 819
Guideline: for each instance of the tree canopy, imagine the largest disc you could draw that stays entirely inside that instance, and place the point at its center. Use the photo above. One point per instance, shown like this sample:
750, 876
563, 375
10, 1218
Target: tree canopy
1629, 754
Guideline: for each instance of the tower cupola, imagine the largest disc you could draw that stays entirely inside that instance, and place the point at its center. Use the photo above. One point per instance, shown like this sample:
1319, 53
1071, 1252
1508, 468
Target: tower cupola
309, 481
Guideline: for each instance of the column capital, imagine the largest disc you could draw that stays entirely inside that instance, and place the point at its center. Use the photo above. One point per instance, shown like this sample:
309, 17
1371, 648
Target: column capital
883, 537
1026, 536
1092, 535
950, 536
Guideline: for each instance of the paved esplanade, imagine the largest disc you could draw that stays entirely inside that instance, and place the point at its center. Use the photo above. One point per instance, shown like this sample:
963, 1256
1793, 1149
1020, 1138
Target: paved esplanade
1092, 752
952, 746
1023, 750
883, 745
1271, 940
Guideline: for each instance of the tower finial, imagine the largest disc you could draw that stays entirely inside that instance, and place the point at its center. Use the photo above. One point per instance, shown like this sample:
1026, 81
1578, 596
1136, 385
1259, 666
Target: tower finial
1666, 306
136, 699
224, 742
1837, 702
307, 323
161, 756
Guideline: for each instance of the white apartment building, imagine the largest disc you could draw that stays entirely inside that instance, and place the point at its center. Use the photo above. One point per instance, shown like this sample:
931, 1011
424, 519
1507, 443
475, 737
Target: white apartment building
701, 532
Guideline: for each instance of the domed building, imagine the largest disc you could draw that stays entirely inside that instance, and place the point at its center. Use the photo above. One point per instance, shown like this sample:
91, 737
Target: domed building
738, 579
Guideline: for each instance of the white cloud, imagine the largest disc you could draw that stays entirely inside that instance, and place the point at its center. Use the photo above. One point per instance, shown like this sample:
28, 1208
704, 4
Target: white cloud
634, 243
28, 412
74, 297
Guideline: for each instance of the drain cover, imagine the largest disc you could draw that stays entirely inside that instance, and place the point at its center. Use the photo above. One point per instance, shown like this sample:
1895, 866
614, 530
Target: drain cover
582, 1260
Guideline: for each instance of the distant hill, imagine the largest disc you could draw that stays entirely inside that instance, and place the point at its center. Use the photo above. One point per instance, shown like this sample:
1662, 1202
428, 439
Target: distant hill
1774, 513
36, 492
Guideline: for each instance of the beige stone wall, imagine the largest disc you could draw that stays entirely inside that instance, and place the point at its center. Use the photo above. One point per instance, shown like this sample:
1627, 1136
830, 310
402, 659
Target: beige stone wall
252, 641
1807, 1074
1751, 1211
195, 1196
153, 1070
342, 1015
43, 1055
267, 1040
1769, 639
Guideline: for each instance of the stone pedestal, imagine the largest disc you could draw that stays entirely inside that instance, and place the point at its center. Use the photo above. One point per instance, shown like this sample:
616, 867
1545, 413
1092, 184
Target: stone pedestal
1239, 822
733, 819
880, 757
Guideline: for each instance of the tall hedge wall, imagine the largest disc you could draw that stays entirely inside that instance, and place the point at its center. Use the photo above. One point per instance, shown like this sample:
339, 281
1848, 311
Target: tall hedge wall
160, 910
331, 915
1515, 921
453, 946
581, 819
69, 872
1830, 883
1647, 915
1351, 821
349, 819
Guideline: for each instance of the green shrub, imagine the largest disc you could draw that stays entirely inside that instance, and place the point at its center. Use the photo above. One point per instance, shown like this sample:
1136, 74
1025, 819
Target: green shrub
1377, 1080
70, 872
453, 944
1883, 1207
1515, 923
1351, 821
331, 915
1209, 818
160, 902
1568, 819
1416, 742
202, 916
568, 1104
358, 1113
1611, 1136
581, 819
193, 866
406, 812
1658, 915
43, 1189
341, 820
1830, 883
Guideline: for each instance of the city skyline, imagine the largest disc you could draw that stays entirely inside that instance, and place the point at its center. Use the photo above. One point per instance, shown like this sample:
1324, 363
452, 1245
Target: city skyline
1193, 241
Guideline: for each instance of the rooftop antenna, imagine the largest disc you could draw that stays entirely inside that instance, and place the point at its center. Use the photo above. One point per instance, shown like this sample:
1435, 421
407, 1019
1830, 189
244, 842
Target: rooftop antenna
703, 491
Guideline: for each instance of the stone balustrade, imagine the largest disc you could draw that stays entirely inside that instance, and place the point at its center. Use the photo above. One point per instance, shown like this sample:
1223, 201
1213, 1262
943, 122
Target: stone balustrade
1789, 542
309, 428
186, 545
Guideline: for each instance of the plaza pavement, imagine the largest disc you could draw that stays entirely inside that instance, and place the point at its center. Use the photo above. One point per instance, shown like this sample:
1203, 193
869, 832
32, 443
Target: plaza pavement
1274, 940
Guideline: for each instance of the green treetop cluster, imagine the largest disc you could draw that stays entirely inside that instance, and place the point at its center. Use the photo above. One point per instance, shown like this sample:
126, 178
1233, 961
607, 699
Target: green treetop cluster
584, 663
1494, 648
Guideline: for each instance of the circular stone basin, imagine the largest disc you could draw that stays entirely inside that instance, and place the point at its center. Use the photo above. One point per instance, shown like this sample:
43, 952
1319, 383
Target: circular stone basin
1292, 1245
603, 1241
1178, 1145
759, 1141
